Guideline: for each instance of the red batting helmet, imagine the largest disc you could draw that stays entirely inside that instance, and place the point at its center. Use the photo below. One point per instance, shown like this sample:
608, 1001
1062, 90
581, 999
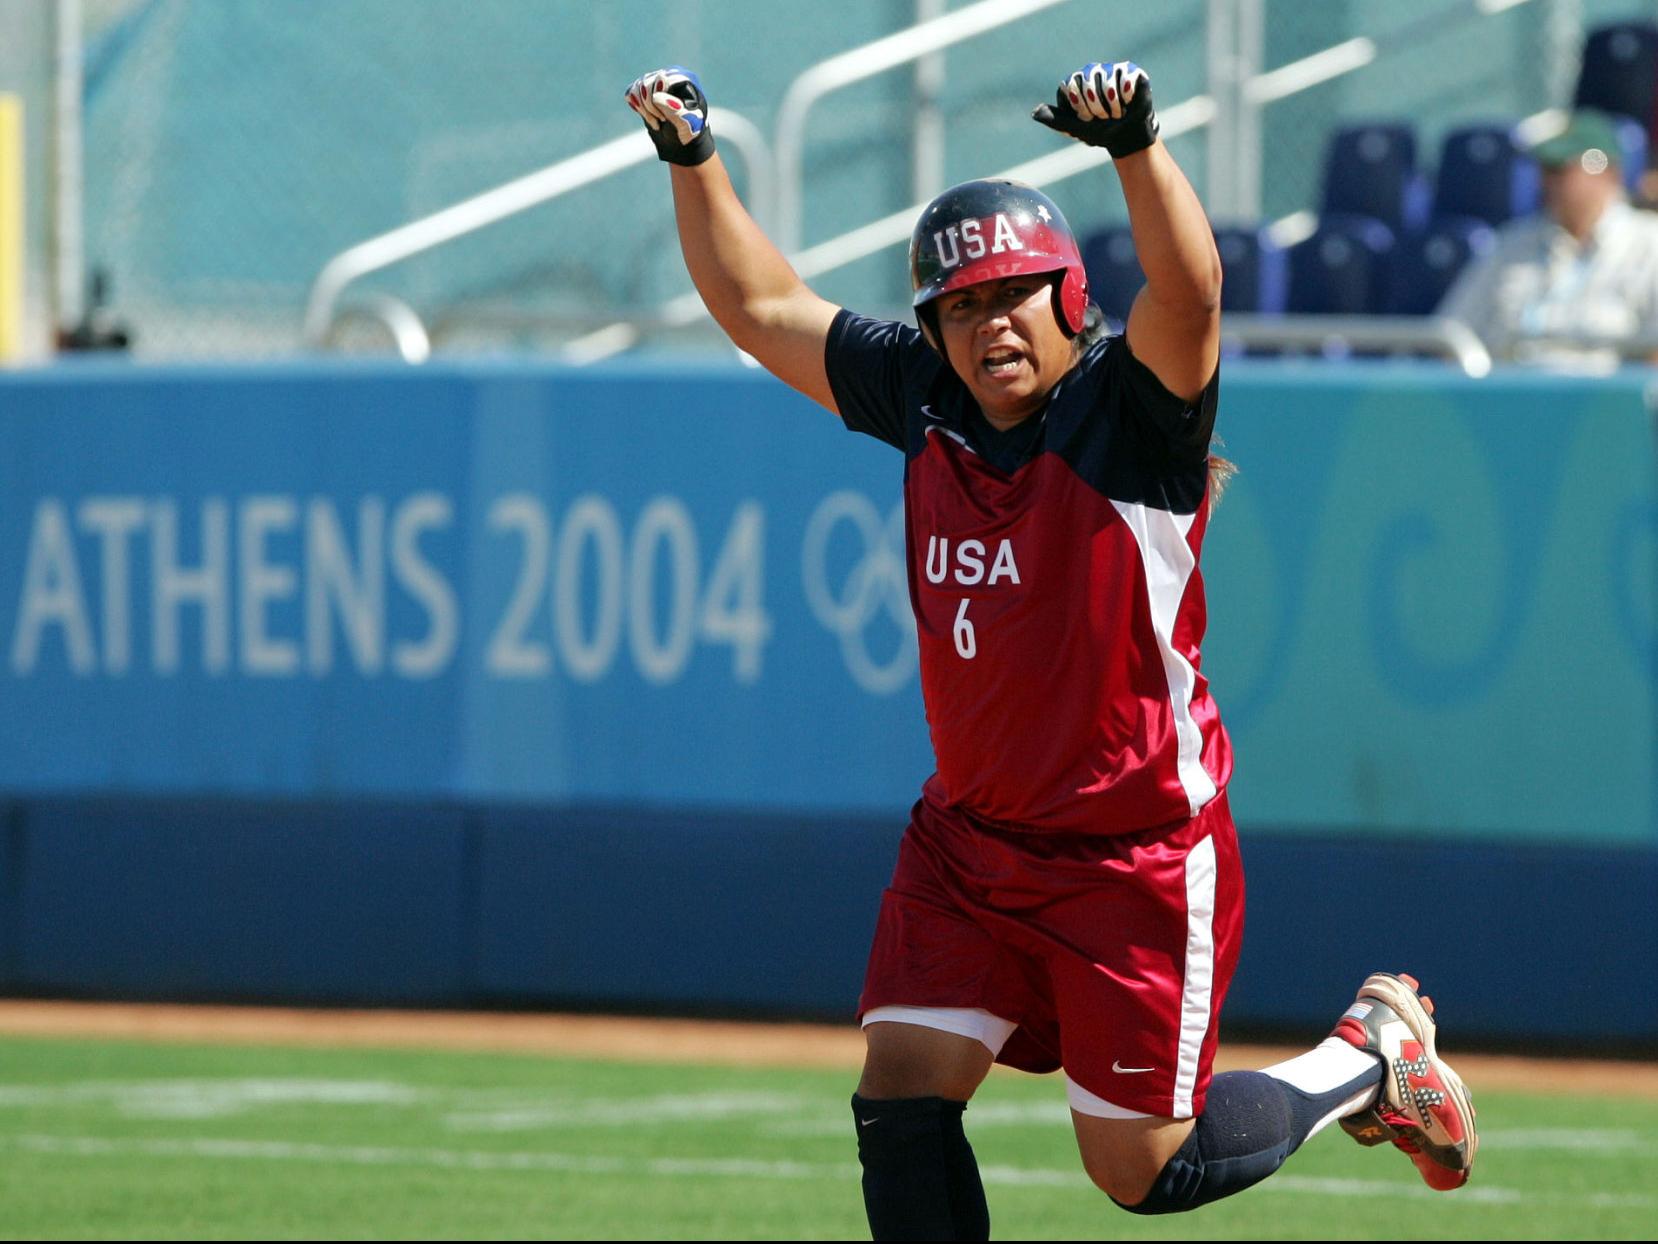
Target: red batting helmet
985, 230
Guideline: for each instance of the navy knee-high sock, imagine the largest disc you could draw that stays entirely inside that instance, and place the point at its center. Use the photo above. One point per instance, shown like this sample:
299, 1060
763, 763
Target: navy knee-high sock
921, 1180
1250, 1124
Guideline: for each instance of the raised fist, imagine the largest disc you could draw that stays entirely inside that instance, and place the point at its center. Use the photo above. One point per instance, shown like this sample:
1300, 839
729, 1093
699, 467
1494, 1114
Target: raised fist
1104, 105
675, 112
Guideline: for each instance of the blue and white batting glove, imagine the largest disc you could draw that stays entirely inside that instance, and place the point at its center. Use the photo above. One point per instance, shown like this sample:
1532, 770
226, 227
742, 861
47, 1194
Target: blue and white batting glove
1104, 105
675, 112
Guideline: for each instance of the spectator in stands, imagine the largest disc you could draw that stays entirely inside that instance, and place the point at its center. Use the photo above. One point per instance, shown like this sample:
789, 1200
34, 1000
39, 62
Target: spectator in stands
1577, 284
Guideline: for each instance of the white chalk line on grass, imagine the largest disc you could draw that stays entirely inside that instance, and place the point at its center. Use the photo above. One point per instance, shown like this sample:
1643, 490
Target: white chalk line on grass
205, 1098
625, 1112
508, 1110
1058, 1114
491, 1110
1600, 1139
734, 1168
455, 1159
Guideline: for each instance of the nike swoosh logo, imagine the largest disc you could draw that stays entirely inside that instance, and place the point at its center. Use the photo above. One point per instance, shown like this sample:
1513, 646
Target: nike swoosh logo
867, 1122
1129, 1071
927, 412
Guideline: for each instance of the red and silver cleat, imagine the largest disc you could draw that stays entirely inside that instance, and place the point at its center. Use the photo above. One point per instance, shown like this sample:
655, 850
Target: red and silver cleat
1423, 1107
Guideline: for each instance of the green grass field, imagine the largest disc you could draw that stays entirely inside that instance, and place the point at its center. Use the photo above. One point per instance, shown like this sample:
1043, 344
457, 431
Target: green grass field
105, 1140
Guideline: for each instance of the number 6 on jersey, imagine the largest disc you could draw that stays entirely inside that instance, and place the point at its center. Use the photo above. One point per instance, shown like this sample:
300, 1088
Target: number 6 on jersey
966, 643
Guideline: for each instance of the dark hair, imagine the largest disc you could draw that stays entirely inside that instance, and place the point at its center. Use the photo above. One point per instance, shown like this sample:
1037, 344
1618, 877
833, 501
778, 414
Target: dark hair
1095, 328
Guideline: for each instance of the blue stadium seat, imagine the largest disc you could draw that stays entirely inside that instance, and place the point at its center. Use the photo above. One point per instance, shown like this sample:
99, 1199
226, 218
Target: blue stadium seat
1114, 272
1254, 268
1632, 137
1619, 70
1342, 268
1255, 273
1424, 264
1484, 173
1371, 170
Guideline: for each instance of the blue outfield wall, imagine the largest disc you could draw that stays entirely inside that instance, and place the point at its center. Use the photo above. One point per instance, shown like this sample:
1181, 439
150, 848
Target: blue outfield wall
508, 685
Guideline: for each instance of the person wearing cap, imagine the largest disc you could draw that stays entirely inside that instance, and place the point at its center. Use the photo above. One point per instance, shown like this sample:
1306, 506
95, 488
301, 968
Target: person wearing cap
1575, 285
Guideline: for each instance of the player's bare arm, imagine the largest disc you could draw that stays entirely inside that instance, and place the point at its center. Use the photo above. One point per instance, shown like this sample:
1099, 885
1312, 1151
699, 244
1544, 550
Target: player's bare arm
1174, 325
747, 285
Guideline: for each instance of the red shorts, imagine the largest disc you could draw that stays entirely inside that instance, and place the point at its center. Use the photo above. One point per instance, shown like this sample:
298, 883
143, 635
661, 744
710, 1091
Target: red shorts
1112, 954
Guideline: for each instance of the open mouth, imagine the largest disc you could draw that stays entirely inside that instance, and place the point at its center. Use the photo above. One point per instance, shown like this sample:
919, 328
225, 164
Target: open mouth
1002, 362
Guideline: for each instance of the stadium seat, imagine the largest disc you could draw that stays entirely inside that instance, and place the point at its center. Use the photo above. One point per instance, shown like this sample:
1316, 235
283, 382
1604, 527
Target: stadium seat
1341, 269
1114, 272
1424, 264
1255, 274
1619, 71
1483, 173
1371, 170
1632, 137
1255, 270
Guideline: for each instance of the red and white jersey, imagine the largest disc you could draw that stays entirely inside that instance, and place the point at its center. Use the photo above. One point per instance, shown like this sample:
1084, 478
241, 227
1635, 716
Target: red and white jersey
1053, 574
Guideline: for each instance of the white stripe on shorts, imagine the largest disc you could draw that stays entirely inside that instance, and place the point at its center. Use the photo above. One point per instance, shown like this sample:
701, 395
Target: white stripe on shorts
1197, 992
1084, 1102
991, 1031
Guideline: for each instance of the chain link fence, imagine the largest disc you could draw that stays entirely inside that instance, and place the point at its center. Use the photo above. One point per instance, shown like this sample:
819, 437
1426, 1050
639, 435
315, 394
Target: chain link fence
232, 147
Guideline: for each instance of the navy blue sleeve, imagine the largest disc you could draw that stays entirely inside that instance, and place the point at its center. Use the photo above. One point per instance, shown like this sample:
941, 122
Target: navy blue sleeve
1182, 428
873, 367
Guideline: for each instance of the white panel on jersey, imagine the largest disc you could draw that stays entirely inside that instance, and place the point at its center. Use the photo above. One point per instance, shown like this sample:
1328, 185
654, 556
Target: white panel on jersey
1198, 990
1168, 563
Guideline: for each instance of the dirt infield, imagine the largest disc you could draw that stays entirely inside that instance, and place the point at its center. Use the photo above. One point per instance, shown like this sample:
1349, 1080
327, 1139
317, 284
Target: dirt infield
657, 1040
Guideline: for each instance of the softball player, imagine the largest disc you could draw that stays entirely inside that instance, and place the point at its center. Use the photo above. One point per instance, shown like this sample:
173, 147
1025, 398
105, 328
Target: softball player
1068, 893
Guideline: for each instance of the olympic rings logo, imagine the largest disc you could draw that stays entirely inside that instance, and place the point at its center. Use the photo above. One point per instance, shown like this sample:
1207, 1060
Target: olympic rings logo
877, 582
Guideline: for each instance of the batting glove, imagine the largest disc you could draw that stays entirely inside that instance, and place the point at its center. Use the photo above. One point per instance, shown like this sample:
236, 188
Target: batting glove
1106, 106
676, 114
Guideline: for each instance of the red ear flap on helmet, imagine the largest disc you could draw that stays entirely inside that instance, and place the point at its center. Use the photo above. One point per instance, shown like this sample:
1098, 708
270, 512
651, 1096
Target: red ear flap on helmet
986, 230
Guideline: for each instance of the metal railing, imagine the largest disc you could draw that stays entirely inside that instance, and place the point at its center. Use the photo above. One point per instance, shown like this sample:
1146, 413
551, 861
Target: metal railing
849, 247
1438, 336
866, 62
407, 329
1580, 351
1432, 335
482, 210
776, 191
1188, 115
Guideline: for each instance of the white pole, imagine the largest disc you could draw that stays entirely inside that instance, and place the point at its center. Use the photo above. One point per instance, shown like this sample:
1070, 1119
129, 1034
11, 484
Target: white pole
927, 173
1562, 38
1251, 52
68, 258
1226, 89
